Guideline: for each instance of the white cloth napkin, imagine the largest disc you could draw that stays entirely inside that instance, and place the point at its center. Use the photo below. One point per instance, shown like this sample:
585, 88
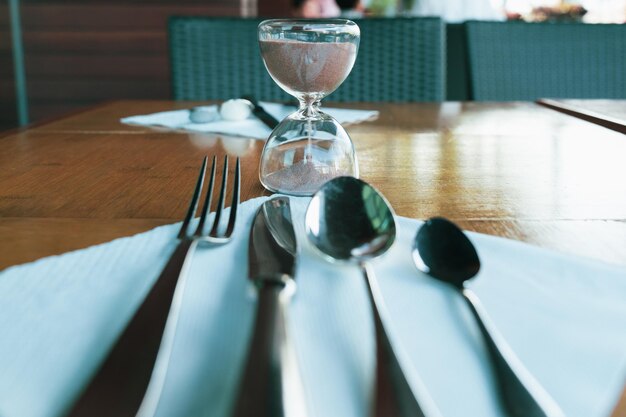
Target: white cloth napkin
564, 317
251, 127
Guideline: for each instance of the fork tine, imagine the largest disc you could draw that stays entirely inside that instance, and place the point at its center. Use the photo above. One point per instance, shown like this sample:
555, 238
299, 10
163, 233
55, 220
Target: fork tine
207, 201
235, 201
220, 202
194, 200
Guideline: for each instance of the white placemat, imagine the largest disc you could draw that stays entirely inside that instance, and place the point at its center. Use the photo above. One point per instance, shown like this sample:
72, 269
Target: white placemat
564, 316
251, 127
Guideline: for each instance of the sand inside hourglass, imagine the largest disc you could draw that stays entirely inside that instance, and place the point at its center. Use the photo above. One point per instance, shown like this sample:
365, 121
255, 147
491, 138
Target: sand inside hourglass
305, 172
308, 67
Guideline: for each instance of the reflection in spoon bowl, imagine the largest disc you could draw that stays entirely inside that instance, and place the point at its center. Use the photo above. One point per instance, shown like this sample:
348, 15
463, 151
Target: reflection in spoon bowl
348, 220
443, 251
345, 216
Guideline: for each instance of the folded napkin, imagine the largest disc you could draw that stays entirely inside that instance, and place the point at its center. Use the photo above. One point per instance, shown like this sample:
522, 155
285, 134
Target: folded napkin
250, 127
564, 317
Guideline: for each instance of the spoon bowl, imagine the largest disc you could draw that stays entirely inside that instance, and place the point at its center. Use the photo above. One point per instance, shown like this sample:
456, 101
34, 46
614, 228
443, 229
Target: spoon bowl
443, 251
348, 220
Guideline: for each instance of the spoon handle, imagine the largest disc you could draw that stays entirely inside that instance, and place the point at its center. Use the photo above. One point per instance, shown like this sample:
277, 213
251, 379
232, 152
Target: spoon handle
521, 393
395, 395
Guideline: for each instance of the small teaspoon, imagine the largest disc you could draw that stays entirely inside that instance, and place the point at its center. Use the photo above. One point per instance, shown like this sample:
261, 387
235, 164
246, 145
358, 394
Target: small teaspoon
444, 252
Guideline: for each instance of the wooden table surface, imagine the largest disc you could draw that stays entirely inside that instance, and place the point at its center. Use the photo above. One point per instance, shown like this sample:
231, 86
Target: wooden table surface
607, 113
518, 170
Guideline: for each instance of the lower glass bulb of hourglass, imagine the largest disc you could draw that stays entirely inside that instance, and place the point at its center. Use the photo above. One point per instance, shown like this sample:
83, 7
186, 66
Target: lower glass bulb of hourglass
304, 152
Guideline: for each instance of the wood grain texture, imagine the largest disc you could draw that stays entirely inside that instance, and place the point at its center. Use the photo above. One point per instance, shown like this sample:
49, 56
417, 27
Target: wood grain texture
275, 8
78, 53
516, 170
113, 16
515, 163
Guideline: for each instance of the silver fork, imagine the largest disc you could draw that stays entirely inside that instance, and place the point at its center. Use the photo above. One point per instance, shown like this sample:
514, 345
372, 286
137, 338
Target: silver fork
137, 363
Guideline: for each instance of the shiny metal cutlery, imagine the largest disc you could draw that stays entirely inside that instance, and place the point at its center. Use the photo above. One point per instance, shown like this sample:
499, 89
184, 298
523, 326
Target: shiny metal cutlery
134, 362
348, 220
270, 384
258, 110
444, 252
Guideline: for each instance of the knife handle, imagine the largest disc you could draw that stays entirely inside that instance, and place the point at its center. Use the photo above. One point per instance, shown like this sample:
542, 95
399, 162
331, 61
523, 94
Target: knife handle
271, 384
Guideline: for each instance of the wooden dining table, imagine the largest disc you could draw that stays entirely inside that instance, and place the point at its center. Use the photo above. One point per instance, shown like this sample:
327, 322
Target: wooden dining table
608, 113
517, 170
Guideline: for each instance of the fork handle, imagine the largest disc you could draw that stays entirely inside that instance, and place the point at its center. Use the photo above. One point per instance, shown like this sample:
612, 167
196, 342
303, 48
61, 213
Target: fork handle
118, 387
271, 385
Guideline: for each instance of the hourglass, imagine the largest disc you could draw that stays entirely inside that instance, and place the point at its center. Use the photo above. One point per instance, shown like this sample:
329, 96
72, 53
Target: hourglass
308, 59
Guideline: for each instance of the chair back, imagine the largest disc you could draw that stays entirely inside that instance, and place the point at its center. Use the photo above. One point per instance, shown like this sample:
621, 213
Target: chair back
528, 61
399, 60
218, 59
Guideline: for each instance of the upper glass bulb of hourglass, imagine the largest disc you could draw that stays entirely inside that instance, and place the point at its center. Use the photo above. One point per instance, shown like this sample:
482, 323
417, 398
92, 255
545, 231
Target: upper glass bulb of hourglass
309, 57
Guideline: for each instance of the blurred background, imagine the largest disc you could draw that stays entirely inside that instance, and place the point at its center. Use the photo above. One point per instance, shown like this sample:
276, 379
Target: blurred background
77, 54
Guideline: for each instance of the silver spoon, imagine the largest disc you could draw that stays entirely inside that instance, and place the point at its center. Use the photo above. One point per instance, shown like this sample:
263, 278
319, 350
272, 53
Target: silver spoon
443, 251
348, 220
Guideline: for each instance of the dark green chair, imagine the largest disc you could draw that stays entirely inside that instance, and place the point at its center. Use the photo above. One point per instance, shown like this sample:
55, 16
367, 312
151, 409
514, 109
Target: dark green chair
527, 61
399, 60
218, 59
457, 77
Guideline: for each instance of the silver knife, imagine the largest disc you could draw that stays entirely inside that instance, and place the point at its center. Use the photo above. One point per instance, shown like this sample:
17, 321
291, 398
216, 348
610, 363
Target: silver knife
271, 385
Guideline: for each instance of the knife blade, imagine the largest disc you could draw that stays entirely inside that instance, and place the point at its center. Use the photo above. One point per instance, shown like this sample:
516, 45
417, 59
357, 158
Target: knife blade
271, 385
258, 110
